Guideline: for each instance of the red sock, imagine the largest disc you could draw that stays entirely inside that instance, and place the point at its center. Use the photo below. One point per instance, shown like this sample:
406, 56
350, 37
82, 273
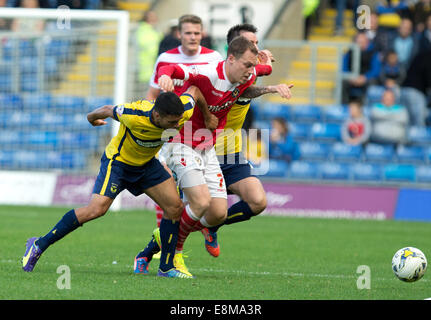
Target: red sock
159, 214
198, 226
187, 223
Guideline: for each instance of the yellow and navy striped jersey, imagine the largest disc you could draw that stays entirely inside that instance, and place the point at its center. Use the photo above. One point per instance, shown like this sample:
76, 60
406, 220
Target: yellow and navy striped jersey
230, 140
138, 139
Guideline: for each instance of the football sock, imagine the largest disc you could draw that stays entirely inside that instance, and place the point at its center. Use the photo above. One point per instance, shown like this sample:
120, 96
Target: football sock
151, 249
187, 222
238, 212
168, 241
67, 224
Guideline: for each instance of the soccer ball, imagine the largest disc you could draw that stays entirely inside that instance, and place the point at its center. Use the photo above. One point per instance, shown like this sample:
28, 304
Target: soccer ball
409, 264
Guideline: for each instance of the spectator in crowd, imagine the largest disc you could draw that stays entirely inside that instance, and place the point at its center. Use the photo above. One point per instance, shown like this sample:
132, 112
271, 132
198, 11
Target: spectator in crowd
356, 129
171, 39
340, 6
28, 24
405, 43
5, 24
389, 120
420, 11
281, 144
425, 37
370, 66
309, 8
393, 72
380, 37
148, 39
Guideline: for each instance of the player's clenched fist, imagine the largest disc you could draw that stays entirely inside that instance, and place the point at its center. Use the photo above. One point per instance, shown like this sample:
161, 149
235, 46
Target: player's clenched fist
166, 83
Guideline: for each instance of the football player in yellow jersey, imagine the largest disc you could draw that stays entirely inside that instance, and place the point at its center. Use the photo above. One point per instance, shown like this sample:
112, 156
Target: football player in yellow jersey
129, 163
235, 167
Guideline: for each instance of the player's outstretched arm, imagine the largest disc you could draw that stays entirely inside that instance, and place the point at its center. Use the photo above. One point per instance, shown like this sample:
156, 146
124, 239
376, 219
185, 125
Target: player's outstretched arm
97, 117
211, 121
256, 91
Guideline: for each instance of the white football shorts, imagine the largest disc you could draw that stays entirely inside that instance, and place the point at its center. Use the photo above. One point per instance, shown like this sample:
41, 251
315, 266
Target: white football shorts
194, 167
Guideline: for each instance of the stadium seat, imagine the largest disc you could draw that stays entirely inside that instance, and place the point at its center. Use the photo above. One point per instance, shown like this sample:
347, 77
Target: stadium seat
70, 103
5, 83
36, 101
6, 159
335, 113
314, 150
410, 153
419, 135
379, 152
423, 173
96, 102
334, 171
374, 94
271, 110
366, 172
277, 168
9, 138
345, 152
326, 131
10, 101
306, 113
303, 170
30, 82
299, 130
262, 124
399, 172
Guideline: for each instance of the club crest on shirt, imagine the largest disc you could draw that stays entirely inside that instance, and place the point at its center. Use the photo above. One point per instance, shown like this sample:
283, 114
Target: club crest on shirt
235, 92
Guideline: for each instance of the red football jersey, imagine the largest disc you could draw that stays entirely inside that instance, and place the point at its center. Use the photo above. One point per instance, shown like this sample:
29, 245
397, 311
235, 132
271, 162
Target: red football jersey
220, 95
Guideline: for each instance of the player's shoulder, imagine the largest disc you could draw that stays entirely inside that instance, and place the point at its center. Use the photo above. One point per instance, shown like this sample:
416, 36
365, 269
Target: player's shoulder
169, 56
215, 55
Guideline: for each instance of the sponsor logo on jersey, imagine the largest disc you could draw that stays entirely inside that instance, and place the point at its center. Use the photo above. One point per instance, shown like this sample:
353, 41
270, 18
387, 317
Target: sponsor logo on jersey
224, 106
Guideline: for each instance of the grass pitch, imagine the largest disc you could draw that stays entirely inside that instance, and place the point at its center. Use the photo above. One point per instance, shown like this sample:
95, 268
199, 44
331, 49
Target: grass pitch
271, 258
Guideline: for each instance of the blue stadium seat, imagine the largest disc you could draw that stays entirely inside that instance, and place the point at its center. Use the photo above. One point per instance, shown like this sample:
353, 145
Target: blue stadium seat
419, 135
399, 172
277, 168
423, 173
334, 171
10, 101
410, 153
96, 102
30, 82
5, 83
39, 139
314, 150
374, 94
306, 113
65, 160
57, 48
366, 172
73, 103
9, 138
299, 130
335, 113
326, 131
6, 159
262, 124
74, 140
36, 101
271, 110
379, 152
345, 152
303, 170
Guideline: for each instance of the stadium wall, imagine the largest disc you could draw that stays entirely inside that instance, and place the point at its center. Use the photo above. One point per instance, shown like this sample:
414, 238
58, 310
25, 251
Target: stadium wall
284, 199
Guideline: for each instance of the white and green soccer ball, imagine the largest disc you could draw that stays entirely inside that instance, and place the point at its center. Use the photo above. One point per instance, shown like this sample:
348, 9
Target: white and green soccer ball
409, 264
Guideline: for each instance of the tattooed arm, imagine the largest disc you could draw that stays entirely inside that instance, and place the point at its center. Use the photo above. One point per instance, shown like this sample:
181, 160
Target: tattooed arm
256, 91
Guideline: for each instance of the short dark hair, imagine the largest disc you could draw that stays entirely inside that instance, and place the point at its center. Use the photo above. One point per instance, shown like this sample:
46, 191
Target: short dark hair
168, 103
189, 18
239, 45
236, 30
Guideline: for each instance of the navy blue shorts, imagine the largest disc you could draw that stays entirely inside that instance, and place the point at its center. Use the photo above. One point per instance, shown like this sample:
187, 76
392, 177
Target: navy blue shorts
234, 168
115, 176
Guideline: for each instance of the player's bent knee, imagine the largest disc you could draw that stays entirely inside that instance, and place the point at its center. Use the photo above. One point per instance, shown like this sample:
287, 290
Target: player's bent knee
174, 211
258, 205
